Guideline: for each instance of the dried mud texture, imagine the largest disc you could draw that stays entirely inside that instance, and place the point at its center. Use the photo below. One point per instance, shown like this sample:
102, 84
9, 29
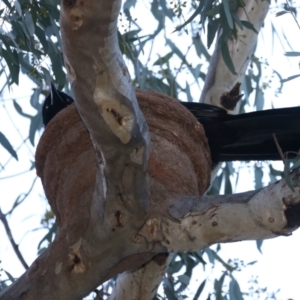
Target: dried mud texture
66, 163
179, 162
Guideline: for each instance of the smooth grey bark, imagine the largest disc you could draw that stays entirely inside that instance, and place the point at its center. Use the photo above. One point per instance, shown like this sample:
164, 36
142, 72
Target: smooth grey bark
219, 79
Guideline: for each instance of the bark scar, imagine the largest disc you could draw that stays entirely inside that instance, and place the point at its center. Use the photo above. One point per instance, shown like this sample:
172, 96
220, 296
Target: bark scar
231, 98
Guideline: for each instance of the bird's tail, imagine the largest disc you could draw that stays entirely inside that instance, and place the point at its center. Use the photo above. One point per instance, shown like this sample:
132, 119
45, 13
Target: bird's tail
251, 136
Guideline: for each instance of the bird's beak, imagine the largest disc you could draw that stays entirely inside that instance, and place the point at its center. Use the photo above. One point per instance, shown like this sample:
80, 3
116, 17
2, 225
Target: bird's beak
55, 93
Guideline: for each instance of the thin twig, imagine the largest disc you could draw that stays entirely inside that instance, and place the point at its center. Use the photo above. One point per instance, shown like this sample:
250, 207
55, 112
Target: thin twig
25, 195
98, 293
183, 62
287, 3
278, 147
17, 129
14, 175
12, 241
11, 157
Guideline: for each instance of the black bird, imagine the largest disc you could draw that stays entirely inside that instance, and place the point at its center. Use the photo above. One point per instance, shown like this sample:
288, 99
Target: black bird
248, 136
54, 103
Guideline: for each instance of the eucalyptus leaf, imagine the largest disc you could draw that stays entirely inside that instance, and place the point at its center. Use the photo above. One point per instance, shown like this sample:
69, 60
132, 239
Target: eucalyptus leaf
258, 175
218, 284
34, 99
175, 266
49, 236
290, 78
280, 13
292, 53
19, 109
188, 92
159, 16
129, 3
191, 18
56, 30
210, 254
169, 289
35, 124
234, 290
10, 277
7, 145
199, 290
29, 23
259, 98
167, 11
249, 26
14, 68
164, 59
200, 48
18, 7
175, 49
212, 28
57, 65
227, 58
228, 13
196, 72
42, 38
238, 21
259, 244
184, 279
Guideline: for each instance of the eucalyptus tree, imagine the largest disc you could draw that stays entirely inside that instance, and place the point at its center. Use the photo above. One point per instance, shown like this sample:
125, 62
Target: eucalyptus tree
120, 169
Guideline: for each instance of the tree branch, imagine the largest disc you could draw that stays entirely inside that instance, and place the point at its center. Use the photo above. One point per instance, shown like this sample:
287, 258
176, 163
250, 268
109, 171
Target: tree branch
219, 79
105, 98
197, 222
143, 283
12, 241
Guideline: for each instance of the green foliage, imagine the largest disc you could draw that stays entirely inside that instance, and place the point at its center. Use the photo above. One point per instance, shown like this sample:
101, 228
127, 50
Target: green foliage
4, 283
29, 38
4, 142
47, 238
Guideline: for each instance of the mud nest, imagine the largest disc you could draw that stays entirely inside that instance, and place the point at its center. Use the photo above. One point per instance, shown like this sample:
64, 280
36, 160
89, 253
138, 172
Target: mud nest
179, 162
